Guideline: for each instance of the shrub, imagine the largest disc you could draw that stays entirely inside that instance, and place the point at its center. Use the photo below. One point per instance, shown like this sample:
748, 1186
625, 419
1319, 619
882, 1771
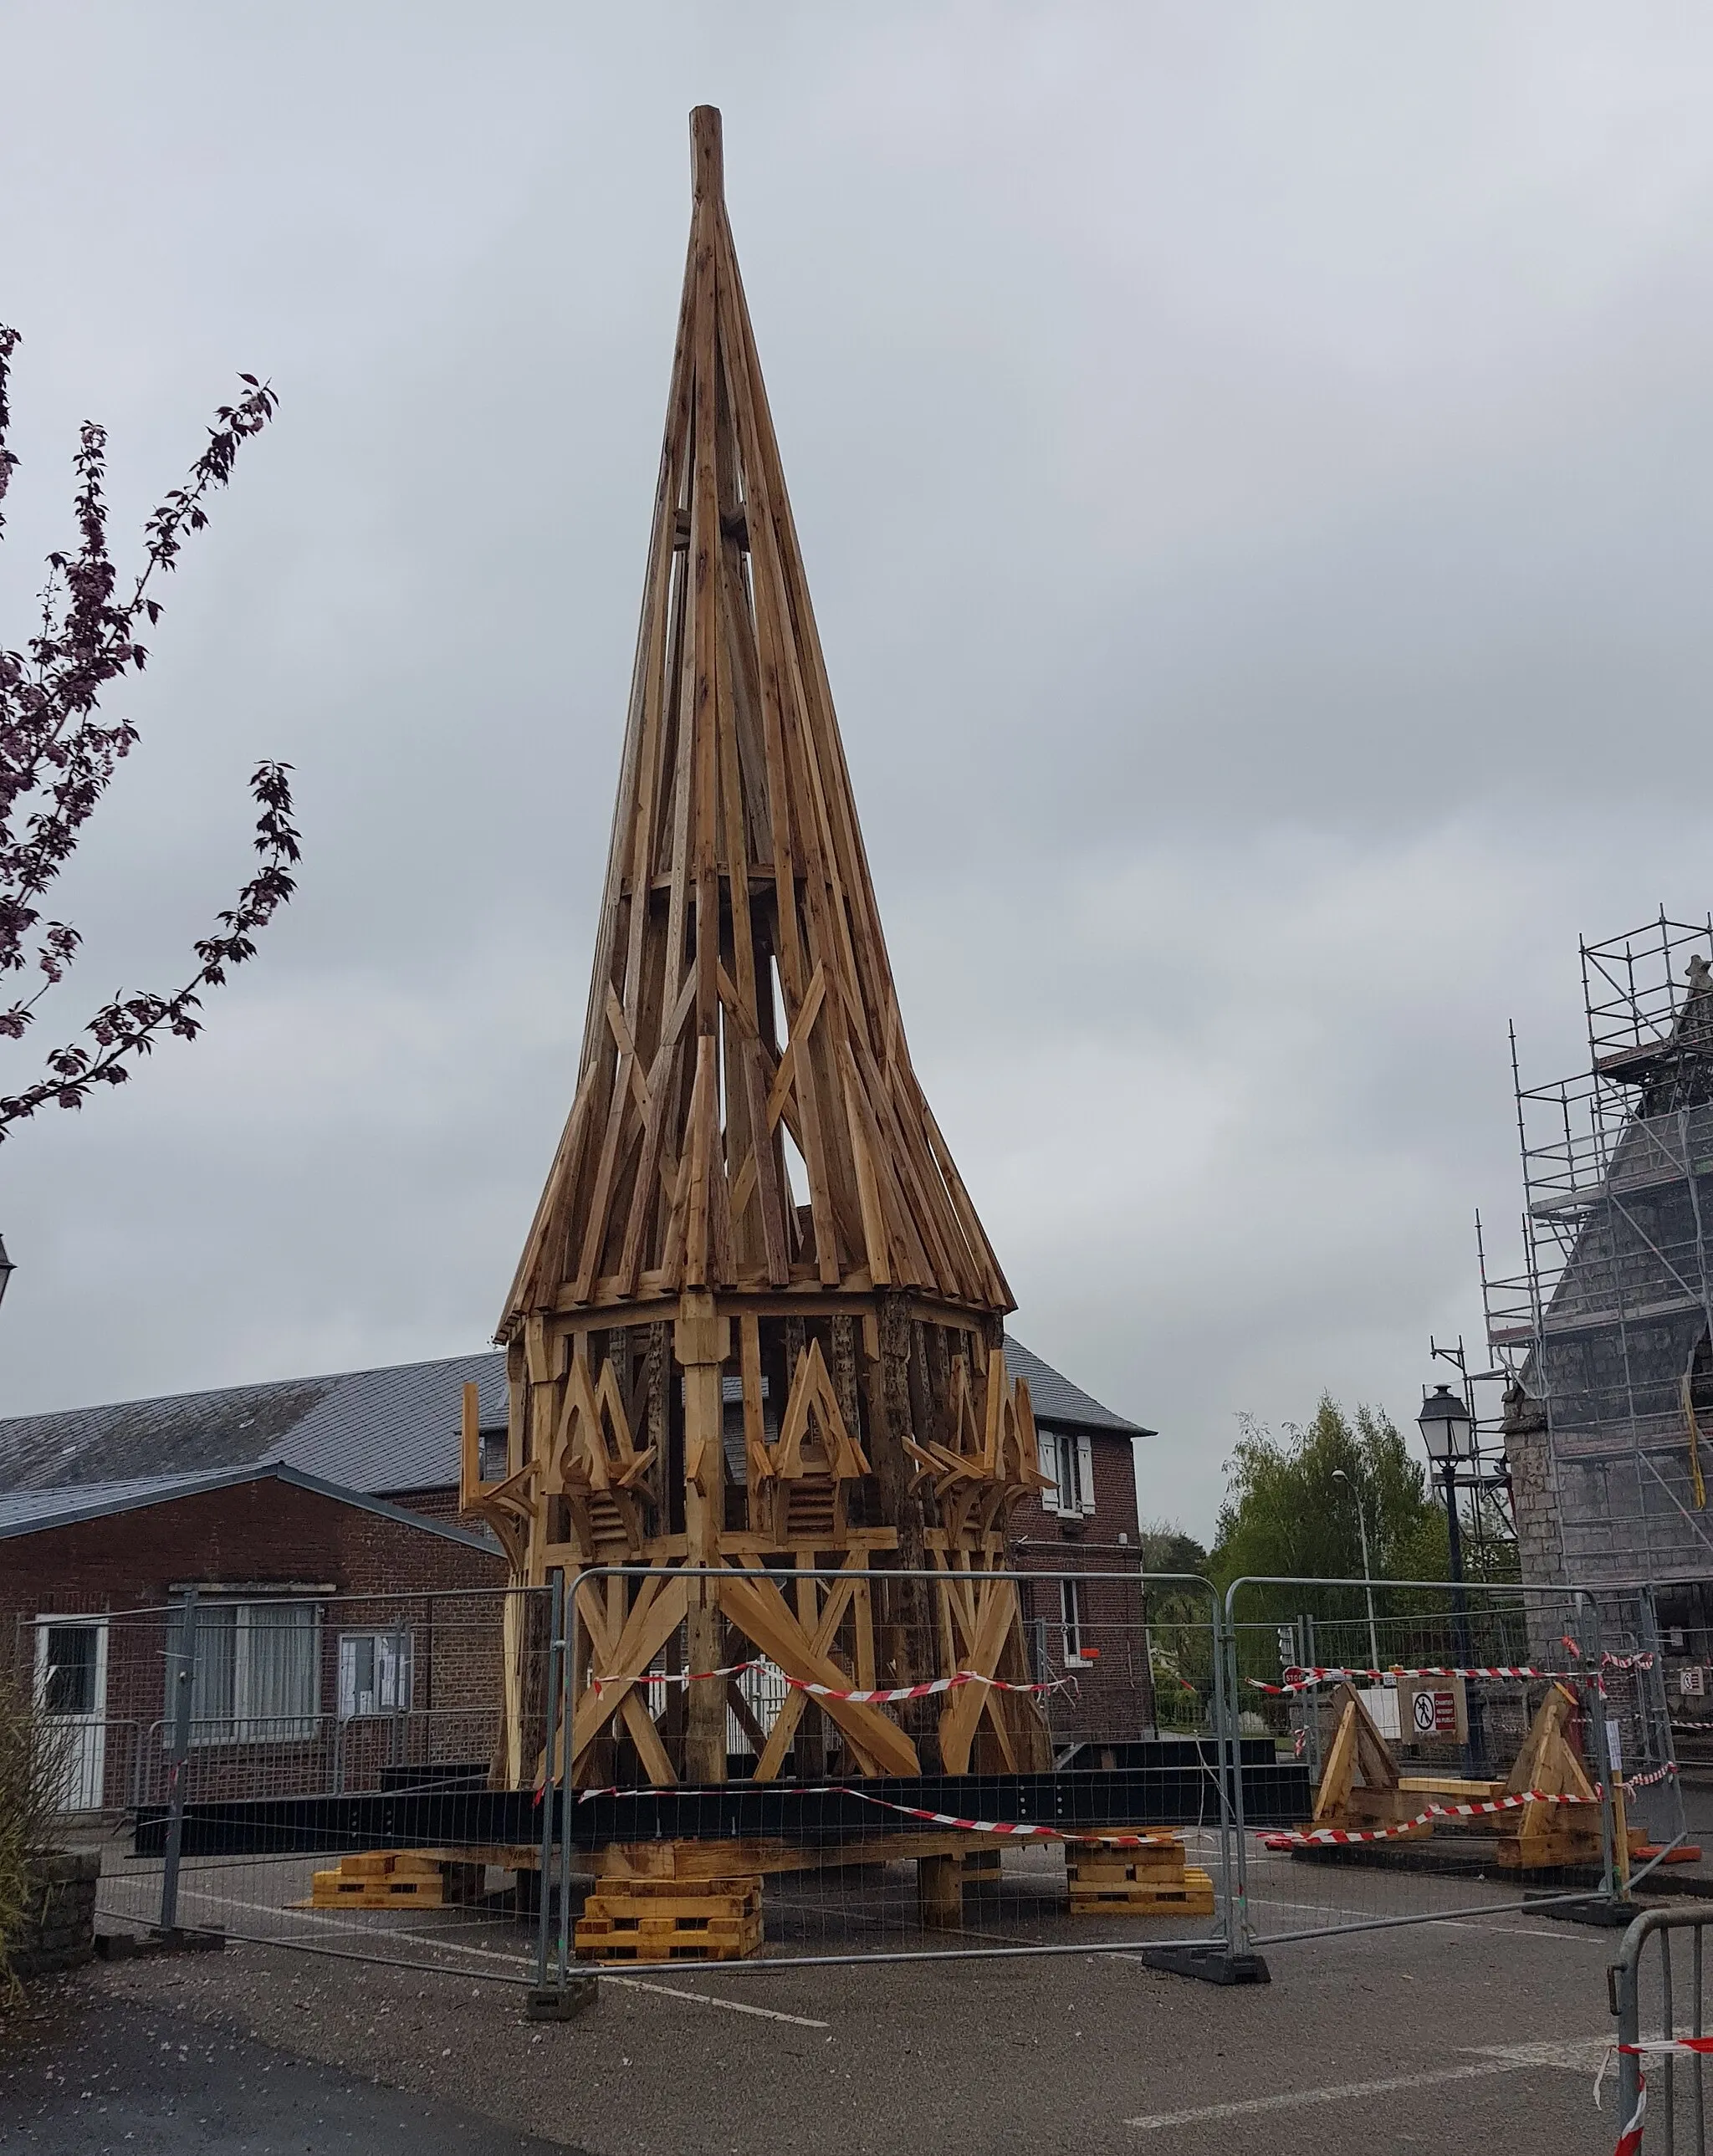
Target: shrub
31, 1749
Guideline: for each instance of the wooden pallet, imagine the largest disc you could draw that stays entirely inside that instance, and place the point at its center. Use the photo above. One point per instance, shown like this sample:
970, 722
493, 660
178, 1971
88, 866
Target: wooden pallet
659, 1920
1137, 1890
379, 1879
1161, 1864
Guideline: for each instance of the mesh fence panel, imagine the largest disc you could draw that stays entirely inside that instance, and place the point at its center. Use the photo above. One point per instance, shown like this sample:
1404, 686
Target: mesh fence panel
1456, 1745
794, 1765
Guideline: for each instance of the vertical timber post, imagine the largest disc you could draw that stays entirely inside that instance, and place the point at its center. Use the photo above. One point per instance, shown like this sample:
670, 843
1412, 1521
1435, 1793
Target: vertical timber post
183, 1687
907, 1606
550, 1704
702, 1341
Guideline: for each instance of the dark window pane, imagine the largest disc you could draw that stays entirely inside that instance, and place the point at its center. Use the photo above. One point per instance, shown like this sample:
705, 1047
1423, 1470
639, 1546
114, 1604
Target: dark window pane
70, 1684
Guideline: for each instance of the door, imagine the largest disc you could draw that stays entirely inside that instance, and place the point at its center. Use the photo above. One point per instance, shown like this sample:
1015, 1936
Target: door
71, 1685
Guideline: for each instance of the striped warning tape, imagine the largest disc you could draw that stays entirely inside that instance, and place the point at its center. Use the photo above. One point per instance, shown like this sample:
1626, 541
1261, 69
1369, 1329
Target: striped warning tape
1306, 1680
1326, 1837
1023, 1830
870, 1696
1629, 2140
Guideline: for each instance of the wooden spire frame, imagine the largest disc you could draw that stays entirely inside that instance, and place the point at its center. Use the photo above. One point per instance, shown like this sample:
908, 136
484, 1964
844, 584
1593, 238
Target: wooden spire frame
679, 1304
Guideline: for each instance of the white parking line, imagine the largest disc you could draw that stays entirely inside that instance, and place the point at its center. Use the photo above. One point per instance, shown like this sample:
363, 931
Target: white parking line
487, 1953
708, 1999
1511, 2059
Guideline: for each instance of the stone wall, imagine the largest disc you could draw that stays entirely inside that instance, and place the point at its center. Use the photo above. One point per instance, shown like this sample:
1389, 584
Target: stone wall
59, 1932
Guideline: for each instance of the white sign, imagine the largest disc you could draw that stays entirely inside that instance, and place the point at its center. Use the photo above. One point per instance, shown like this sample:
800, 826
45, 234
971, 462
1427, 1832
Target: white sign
1422, 1713
1382, 1709
1692, 1681
1615, 1745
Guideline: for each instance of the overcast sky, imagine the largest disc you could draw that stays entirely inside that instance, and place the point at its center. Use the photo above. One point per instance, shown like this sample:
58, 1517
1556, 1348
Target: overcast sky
1253, 467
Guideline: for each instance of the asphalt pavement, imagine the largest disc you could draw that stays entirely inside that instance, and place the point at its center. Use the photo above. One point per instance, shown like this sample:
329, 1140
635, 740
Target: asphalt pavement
1474, 2033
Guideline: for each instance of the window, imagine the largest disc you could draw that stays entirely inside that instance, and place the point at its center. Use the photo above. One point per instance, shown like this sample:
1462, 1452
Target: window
490, 1464
1068, 1462
68, 1659
1074, 1613
258, 1671
375, 1670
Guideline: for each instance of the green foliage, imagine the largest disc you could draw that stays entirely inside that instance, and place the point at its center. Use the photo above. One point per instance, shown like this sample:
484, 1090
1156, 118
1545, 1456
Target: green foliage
1287, 1515
1180, 1628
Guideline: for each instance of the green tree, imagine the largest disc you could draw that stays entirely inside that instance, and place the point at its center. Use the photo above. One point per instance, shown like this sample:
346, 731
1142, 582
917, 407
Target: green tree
1179, 1617
1290, 1511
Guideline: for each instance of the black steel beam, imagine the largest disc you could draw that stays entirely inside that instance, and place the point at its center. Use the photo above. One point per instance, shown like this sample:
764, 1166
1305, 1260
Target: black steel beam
1167, 1784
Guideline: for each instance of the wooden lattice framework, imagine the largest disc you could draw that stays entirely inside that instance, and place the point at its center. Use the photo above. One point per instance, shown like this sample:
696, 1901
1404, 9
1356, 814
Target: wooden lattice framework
706, 1372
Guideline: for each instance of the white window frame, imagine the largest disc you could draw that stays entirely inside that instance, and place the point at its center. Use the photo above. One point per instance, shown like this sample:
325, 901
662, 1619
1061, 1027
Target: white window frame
1073, 1621
393, 1664
82, 1768
1068, 1462
239, 1720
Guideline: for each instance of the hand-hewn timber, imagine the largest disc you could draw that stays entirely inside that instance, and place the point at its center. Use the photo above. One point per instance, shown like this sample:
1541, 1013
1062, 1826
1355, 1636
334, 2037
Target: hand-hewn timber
756, 1325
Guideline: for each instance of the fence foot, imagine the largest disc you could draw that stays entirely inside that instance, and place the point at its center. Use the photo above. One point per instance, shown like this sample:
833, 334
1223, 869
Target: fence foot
1595, 1909
128, 1946
1209, 1964
562, 2002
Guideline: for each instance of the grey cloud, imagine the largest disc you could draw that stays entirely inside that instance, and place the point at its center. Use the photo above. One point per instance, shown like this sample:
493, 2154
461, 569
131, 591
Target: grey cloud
1251, 468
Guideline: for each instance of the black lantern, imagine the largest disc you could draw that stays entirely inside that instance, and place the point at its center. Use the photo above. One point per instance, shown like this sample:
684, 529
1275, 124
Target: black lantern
1446, 1429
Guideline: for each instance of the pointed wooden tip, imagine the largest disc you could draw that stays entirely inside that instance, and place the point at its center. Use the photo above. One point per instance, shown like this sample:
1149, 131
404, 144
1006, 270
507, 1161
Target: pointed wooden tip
708, 154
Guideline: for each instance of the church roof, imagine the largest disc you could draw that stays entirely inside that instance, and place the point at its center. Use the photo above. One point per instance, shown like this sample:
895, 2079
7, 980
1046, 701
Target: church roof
392, 1430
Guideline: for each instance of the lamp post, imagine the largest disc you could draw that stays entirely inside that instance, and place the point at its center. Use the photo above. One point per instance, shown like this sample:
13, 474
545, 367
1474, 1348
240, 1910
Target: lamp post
1449, 1432
1340, 1476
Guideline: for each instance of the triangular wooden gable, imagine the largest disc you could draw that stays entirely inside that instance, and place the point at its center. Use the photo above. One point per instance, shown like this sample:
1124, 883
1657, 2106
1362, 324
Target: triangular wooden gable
813, 1437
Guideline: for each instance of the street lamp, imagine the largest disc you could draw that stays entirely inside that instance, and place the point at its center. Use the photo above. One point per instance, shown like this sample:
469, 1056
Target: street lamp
1340, 1476
7, 1269
1449, 1432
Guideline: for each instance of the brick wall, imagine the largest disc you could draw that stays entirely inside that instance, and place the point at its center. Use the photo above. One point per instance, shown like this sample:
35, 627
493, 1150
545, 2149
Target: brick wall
436, 1504
384, 1577
1113, 1697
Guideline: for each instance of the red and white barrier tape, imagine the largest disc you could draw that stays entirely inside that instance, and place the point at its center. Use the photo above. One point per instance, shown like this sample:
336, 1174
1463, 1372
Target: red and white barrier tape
871, 1697
1306, 1680
1656, 1774
1629, 2140
1005, 1826
1022, 1830
1326, 1837
676, 1677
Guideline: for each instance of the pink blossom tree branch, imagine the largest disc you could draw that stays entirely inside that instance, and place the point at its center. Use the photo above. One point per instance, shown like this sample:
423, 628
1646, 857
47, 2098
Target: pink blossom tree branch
59, 754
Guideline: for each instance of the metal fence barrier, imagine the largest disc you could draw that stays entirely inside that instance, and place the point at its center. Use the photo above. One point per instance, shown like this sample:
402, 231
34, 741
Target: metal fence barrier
1096, 1751
1473, 1750
1662, 2039
988, 1764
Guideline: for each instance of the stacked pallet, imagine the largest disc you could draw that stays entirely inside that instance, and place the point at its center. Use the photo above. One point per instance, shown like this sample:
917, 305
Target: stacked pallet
1153, 1881
380, 1879
657, 1920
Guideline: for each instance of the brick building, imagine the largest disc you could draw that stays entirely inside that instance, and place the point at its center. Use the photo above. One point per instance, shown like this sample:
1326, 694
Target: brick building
339, 1629
335, 1634
1083, 1525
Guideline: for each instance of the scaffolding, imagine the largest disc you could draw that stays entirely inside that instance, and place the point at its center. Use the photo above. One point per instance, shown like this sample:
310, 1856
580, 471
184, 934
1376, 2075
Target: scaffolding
1605, 1333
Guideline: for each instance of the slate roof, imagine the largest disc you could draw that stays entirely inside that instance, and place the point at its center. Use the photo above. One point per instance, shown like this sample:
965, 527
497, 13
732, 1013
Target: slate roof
369, 1430
32, 1512
374, 1432
1059, 1403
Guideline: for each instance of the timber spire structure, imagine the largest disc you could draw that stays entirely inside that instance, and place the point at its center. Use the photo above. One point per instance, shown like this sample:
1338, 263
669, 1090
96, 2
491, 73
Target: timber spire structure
757, 1323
